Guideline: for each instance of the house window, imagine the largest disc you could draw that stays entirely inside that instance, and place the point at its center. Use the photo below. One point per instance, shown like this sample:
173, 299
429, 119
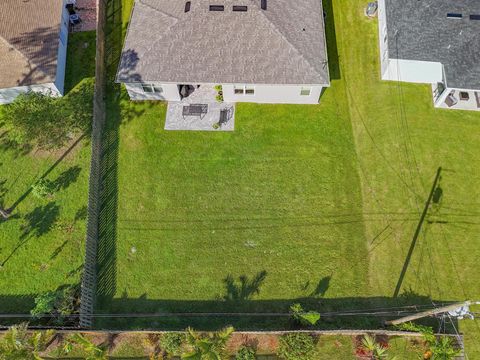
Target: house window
244, 90
151, 88
305, 91
239, 90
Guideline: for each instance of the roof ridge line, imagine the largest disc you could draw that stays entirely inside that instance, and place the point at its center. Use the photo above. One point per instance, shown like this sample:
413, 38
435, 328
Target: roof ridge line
288, 41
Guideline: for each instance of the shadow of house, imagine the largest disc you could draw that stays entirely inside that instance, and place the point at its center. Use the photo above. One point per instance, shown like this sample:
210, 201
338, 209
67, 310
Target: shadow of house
332, 50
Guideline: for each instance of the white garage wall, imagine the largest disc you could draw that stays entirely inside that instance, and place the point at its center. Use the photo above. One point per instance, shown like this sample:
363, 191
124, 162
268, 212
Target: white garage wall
274, 94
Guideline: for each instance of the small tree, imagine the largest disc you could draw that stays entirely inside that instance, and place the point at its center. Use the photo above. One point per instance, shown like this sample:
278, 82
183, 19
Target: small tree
18, 344
210, 346
43, 188
305, 318
45, 121
59, 304
297, 346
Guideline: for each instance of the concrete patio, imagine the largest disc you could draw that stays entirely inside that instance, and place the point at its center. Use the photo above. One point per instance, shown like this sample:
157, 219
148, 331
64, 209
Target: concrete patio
207, 122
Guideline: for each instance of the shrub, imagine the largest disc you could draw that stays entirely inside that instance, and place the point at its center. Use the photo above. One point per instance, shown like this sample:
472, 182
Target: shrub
305, 318
43, 188
297, 346
60, 304
245, 353
218, 88
219, 98
172, 343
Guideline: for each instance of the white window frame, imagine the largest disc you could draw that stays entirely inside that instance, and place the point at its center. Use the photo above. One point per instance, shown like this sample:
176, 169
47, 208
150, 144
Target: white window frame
305, 91
243, 90
154, 89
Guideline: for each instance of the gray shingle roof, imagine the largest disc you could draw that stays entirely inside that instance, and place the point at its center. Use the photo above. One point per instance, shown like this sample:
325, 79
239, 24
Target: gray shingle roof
283, 45
420, 30
29, 39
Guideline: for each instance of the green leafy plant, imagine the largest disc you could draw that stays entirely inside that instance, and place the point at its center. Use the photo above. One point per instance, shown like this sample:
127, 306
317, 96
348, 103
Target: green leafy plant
305, 318
60, 304
443, 349
210, 346
373, 349
19, 344
218, 88
297, 346
43, 188
172, 343
438, 348
219, 98
93, 352
245, 353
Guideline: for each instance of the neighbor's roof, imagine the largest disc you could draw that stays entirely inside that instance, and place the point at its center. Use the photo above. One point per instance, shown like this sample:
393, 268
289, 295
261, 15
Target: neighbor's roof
420, 30
284, 44
29, 36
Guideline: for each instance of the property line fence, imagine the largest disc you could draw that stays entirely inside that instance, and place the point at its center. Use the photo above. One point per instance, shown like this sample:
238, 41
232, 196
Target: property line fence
89, 279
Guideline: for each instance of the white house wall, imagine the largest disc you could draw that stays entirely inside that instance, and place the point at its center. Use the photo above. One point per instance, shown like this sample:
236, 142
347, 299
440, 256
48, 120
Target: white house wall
413, 71
383, 38
170, 92
8, 95
62, 53
274, 94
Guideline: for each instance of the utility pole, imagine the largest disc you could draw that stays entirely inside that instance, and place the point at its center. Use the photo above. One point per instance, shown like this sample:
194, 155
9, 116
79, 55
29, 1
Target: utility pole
417, 233
432, 312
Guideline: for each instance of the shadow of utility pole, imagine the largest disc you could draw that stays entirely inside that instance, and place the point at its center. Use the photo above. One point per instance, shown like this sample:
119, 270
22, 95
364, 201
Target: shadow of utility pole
417, 233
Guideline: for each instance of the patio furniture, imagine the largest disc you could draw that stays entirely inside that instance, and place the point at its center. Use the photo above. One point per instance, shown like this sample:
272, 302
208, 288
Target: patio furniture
451, 100
477, 97
195, 110
464, 96
225, 115
371, 9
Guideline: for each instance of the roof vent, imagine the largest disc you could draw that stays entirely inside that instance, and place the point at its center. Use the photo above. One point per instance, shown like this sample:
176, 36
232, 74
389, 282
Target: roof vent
188, 4
217, 8
474, 17
264, 4
454, 16
240, 8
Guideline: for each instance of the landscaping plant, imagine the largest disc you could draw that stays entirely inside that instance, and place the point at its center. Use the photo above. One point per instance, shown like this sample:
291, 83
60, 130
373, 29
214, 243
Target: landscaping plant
297, 346
19, 344
210, 346
373, 349
171, 343
305, 318
93, 352
245, 353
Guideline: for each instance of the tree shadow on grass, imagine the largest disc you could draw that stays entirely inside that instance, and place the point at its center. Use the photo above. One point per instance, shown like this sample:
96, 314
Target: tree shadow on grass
37, 223
66, 178
245, 288
322, 287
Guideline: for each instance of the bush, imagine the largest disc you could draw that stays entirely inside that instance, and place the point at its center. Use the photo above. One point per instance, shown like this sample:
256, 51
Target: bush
60, 304
172, 343
43, 188
297, 346
305, 318
245, 353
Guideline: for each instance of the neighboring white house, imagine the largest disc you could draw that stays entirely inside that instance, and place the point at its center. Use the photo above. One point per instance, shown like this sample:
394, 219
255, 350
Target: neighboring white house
263, 51
33, 47
435, 42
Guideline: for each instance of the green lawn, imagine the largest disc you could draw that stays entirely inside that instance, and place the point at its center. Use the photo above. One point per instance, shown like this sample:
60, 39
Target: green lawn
42, 244
323, 200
